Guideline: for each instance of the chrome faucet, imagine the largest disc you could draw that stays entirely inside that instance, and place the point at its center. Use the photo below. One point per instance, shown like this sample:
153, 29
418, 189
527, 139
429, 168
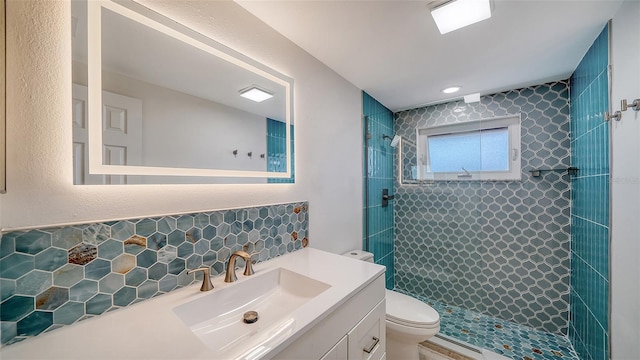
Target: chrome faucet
231, 266
206, 278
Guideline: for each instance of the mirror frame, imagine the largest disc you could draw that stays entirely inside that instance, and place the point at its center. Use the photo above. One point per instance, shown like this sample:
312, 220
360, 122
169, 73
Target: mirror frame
147, 17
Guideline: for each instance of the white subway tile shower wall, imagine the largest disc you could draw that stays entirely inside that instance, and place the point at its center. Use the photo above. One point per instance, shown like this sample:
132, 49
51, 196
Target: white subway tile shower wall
496, 247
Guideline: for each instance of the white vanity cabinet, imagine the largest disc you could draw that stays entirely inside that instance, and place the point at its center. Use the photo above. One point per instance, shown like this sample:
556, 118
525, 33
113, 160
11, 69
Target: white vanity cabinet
339, 351
355, 326
367, 340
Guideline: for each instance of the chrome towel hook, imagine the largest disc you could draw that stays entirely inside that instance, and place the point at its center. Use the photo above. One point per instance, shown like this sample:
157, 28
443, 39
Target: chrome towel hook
635, 105
617, 116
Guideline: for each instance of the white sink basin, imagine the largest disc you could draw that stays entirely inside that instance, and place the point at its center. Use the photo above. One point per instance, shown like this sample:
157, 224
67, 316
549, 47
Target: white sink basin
217, 318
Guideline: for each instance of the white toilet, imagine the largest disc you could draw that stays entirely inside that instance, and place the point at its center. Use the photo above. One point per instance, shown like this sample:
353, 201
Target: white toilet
409, 321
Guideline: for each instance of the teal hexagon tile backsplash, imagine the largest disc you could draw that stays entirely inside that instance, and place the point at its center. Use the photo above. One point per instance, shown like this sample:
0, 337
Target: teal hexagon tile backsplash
53, 277
16, 308
16, 265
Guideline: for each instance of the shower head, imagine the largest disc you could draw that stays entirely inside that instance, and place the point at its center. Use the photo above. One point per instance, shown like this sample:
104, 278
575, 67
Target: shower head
394, 140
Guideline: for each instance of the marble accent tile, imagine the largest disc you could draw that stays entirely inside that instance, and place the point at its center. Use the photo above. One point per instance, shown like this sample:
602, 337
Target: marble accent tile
52, 298
82, 254
123, 263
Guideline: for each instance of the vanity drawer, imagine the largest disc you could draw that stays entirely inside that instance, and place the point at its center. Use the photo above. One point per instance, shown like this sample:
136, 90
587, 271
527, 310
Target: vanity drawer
367, 340
339, 351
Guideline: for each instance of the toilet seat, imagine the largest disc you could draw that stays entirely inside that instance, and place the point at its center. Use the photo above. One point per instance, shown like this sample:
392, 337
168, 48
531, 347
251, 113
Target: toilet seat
406, 311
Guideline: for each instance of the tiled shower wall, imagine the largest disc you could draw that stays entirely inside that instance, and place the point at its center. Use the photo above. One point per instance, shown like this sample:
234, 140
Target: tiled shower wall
277, 151
54, 277
380, 155
589, 329
496, 247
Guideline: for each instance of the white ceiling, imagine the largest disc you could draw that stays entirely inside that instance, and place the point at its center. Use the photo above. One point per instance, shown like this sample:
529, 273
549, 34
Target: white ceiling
393, 50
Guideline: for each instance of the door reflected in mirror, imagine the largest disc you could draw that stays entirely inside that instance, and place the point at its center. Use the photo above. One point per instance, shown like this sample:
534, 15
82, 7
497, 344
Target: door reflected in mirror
155, 102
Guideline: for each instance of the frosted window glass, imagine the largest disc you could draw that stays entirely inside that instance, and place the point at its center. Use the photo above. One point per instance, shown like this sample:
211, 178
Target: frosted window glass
486, 150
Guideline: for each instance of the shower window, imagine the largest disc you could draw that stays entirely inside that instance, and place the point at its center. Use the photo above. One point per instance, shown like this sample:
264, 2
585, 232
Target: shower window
476, 150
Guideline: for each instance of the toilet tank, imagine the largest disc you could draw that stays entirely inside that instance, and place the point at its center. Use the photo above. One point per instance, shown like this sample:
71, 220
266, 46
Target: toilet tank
359, 255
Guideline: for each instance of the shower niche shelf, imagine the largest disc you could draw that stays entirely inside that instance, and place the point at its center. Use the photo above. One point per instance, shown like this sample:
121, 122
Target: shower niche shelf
571, 171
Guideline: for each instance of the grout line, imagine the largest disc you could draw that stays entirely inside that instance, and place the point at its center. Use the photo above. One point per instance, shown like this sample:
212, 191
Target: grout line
590, 312
590, 130
591, 176
592, 81
589, 265
579, 338
591, 221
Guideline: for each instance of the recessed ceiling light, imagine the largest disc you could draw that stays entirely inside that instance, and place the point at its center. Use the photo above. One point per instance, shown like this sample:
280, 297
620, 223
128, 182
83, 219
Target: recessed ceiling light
452, 89
256, 94
456, 14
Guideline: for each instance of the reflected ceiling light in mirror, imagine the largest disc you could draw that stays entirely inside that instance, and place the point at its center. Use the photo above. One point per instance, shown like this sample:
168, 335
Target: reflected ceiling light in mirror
471, 98
255, 93
451, 89
456, 14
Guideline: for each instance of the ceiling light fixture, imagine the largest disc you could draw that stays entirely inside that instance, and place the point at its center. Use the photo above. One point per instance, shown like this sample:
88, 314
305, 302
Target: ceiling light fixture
255, 93
471, 98
455, 14
451, 89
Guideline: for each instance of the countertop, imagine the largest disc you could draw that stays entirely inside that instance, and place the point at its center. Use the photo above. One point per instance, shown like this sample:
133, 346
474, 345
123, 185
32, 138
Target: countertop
151, 330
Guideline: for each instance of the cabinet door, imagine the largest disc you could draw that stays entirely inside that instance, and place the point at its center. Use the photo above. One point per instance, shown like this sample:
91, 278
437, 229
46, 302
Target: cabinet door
367, 340
338, 352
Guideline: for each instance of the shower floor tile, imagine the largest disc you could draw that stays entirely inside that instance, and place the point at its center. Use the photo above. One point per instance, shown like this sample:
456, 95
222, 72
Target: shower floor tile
500, 336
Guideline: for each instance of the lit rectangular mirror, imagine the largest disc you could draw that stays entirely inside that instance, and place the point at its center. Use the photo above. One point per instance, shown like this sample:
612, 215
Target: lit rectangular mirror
156, 102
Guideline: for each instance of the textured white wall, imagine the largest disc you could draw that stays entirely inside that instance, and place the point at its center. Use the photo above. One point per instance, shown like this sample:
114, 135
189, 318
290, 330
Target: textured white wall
625, 185
39, 157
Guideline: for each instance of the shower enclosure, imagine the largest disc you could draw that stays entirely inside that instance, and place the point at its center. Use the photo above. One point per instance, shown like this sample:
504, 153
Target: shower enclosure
497, 247
502, 248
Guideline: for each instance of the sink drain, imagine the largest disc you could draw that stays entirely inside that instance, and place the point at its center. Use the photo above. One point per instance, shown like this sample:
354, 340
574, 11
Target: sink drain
250, 317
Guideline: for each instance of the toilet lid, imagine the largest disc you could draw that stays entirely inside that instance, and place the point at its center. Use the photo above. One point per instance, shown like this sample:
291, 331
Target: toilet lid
403, 309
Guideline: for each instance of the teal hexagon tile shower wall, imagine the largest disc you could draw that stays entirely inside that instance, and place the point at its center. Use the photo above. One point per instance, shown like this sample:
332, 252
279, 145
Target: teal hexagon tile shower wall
496, 247
53, 277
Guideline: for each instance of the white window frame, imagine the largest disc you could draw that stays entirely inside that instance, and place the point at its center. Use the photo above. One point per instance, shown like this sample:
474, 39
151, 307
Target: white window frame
511, 122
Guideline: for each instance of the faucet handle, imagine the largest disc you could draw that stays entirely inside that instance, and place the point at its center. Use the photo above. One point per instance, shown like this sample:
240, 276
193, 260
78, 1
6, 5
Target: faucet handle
206, 278
248, 267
